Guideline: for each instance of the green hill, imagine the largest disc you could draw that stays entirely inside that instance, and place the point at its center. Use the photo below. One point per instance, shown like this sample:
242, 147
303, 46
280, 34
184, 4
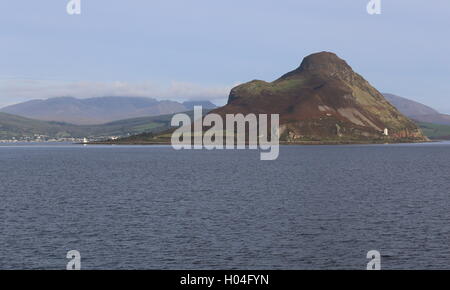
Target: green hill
129, 126
12, 126
435, 131
324, 100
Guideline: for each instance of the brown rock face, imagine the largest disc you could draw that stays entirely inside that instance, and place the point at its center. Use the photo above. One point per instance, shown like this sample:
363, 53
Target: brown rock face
324, 100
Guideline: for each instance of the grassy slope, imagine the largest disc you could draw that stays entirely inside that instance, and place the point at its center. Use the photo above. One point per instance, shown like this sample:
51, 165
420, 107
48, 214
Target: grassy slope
16, 126
434, 131
130, 126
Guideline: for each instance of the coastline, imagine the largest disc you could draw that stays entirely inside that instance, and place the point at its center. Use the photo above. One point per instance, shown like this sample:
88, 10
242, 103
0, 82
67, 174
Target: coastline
303, 143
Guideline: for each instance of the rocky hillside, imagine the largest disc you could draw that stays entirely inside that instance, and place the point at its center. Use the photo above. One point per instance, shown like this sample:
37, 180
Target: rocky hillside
324, 100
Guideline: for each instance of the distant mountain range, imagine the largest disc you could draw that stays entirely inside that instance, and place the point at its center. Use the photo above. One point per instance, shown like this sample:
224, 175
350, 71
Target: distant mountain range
101, 110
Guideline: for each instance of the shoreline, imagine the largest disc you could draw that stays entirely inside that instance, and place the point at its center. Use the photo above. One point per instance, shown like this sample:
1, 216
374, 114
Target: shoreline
304, 143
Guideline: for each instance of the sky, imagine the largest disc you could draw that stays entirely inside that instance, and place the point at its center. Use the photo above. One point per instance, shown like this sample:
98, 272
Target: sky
200, 49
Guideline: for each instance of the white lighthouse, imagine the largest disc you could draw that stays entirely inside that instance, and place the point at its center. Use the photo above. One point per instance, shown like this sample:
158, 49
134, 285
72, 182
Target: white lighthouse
386, 132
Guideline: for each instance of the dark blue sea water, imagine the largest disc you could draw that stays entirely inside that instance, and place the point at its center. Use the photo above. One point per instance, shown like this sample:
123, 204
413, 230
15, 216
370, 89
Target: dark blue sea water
136, 207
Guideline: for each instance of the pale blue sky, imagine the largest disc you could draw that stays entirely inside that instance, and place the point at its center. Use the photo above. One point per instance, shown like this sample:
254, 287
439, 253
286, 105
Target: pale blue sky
200, 48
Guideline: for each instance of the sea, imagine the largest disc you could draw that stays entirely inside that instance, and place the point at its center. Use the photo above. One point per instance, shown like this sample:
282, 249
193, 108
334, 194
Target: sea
152, 207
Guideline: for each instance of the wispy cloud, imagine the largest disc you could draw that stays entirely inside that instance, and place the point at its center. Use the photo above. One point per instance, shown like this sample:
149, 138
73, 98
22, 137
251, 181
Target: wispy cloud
14, 91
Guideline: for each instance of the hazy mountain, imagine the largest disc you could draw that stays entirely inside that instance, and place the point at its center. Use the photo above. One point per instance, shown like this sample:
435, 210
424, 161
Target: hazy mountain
205, 105
440, 119
324, 100
409, 107
418, 111
96, 110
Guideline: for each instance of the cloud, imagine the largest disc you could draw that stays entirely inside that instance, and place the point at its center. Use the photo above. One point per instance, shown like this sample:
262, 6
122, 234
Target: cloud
15, 91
